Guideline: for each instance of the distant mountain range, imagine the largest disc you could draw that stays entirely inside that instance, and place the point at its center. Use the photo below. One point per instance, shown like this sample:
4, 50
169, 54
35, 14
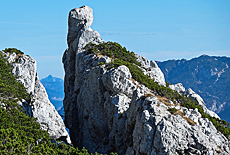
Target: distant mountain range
209, 76
55, 90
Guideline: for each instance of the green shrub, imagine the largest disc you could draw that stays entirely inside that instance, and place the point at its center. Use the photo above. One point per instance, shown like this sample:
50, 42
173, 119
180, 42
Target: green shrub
167, 84
121, 56
113, 50
18, 131
10, 50
8, 84
172, 110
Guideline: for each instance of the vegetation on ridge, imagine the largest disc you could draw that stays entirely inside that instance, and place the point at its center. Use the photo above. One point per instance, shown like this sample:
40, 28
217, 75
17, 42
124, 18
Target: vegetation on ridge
10, 50
20, 133
121, 56
202, 75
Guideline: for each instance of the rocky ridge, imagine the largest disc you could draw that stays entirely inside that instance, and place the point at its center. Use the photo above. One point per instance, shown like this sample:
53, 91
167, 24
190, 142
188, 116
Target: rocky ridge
25, 71
194, 96
207, 75
106, 110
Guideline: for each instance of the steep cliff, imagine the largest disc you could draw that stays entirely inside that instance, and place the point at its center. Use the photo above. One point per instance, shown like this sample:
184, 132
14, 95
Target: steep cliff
25, 71
117, 101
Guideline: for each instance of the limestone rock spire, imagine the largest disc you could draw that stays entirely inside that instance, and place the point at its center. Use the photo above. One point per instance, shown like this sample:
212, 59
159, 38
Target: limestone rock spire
79, 19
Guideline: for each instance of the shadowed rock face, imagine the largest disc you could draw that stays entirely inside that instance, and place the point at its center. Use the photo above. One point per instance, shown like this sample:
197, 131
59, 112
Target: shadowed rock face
106, 110
25, 71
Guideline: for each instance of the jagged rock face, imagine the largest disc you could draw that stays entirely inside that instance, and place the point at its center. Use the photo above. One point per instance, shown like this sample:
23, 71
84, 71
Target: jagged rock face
79, 34
106, 110
156, 131
117, 80
151, 69
190, 93
194, 96
207, 75
177, 87
25, 71
79, 18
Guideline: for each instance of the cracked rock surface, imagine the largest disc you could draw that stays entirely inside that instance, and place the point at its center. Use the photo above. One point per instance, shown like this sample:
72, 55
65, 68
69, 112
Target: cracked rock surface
107, 111
25, 71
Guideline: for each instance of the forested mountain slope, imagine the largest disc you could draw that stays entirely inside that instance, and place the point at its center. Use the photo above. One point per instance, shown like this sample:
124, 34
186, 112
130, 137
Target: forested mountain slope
207, 75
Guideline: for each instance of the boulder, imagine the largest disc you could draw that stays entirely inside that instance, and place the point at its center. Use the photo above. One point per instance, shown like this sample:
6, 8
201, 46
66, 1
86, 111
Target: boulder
177, 87
151, 69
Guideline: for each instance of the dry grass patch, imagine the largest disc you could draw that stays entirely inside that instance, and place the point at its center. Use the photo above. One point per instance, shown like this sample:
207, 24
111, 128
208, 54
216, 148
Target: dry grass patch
219, 151
164, 100
191, 122
132, 79
178, 112
149, 95
158, 104
99, 54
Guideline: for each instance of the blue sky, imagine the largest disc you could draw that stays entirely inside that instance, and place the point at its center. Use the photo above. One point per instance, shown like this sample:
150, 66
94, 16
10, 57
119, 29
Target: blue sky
158, 30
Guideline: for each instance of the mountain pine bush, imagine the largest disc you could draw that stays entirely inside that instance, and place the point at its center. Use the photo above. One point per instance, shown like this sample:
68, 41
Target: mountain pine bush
121, 56
20, 133
10, 50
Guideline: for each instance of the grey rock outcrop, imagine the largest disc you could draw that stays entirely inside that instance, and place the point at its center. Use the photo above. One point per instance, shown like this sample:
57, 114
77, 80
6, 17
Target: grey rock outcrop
25, 71
106, 110
151, 69
177, 87
118, 80
194, 96
190, 93
156, 131
206, 75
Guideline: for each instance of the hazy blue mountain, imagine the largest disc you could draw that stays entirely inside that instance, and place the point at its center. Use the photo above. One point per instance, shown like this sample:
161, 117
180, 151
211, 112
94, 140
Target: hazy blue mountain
61, 112
209, 76
55, 90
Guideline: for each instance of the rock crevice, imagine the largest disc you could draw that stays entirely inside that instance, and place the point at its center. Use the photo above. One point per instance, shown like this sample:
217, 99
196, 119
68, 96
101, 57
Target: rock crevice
107, 111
